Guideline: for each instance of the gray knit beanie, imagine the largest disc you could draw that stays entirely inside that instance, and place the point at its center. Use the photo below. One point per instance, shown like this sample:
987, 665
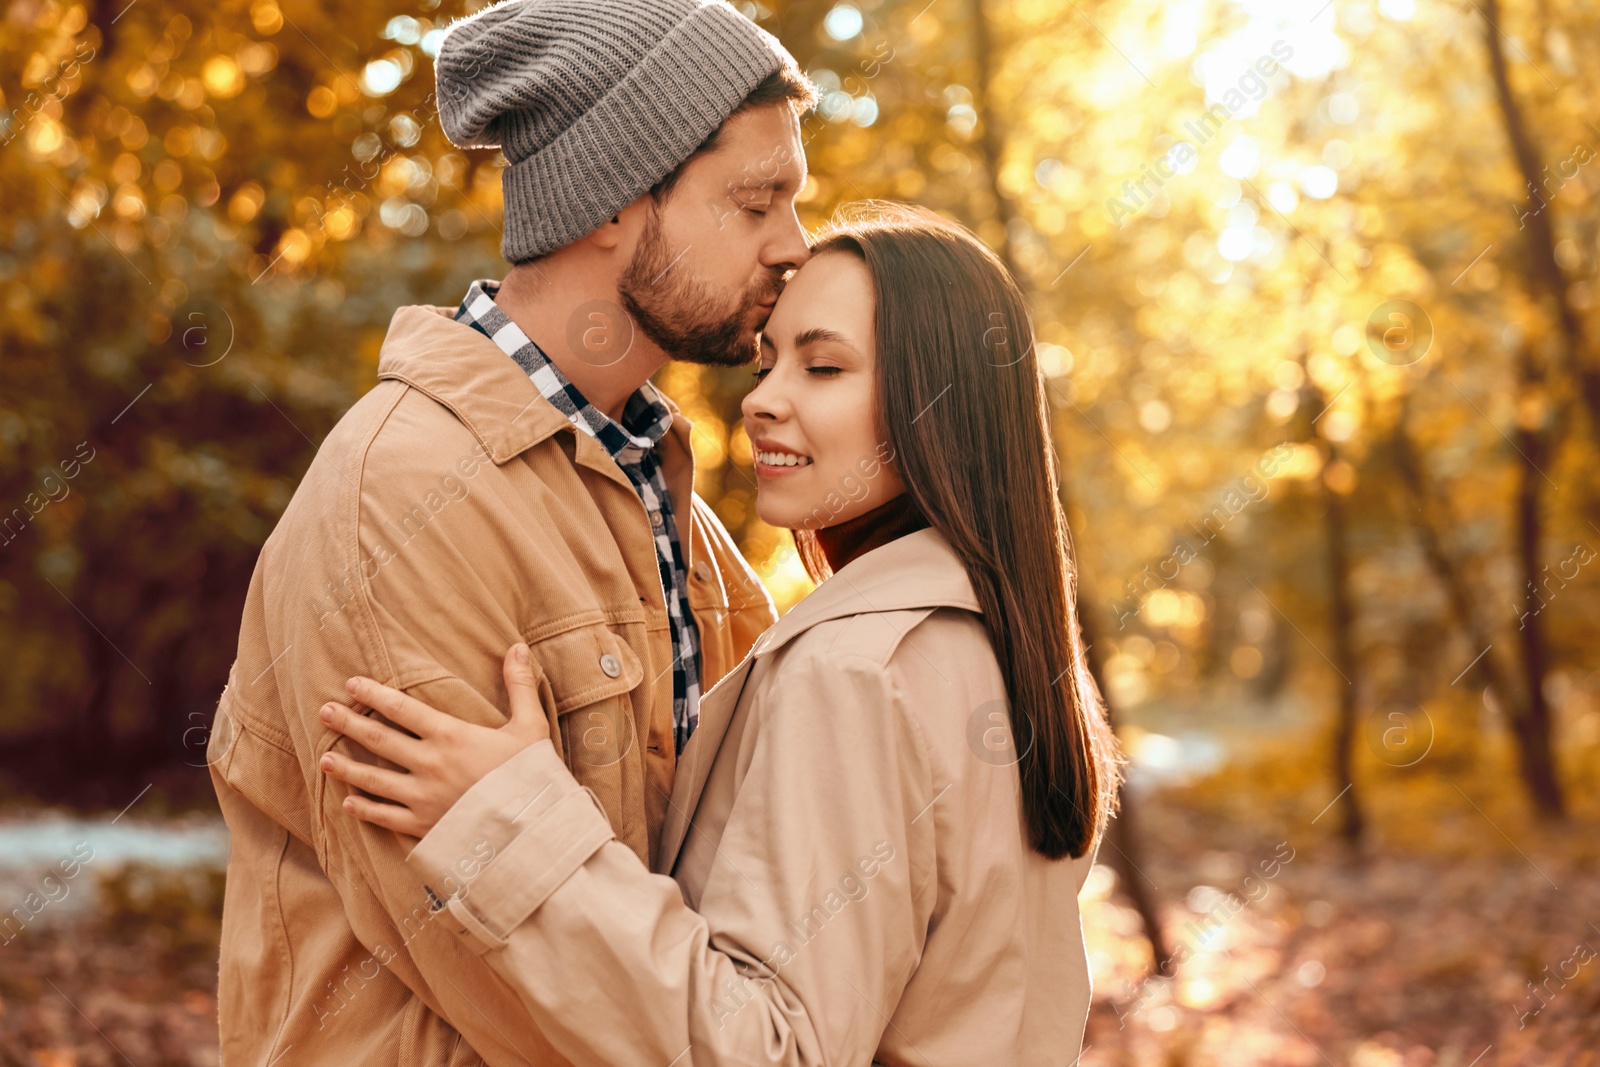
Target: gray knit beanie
593, 101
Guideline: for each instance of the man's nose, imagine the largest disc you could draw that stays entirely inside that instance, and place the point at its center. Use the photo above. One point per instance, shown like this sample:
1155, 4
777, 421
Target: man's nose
793, 248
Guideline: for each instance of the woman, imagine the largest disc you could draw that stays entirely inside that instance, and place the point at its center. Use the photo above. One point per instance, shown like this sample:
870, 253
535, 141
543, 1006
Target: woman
878, 832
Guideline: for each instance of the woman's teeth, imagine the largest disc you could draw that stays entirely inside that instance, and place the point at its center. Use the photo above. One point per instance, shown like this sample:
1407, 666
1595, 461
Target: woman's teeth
782, 459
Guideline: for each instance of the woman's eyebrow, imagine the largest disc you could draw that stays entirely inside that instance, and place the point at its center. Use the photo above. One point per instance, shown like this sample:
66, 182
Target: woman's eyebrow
821, 333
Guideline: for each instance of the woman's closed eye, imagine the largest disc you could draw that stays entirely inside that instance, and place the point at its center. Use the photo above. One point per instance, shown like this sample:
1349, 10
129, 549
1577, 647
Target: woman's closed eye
820, 372
824, 371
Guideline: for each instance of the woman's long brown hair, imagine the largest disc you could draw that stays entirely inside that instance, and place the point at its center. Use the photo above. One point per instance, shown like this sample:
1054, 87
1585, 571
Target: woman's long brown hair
961, 401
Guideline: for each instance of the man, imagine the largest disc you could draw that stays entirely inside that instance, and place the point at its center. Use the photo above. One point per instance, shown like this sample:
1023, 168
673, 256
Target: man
512, 477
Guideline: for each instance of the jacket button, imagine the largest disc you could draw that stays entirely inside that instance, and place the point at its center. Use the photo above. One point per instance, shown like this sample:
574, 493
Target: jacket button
611, 665
702, 572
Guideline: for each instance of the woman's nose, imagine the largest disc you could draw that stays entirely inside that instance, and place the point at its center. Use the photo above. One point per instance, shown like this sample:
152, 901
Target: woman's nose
762, 402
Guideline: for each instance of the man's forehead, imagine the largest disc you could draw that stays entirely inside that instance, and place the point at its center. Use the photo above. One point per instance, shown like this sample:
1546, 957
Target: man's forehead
768, 154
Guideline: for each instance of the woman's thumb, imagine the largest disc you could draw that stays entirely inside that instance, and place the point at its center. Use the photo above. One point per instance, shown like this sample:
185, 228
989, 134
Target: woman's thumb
520, 685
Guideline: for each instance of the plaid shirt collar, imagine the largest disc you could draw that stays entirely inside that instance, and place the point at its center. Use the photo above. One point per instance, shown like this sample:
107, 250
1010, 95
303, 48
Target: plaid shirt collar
645, 419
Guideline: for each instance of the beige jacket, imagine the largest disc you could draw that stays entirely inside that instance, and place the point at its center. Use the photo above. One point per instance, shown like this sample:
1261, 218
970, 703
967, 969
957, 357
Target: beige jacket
450, 513
850, 881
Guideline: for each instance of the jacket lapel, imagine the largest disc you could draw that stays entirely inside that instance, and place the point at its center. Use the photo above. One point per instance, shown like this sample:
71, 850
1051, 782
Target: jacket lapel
919, 570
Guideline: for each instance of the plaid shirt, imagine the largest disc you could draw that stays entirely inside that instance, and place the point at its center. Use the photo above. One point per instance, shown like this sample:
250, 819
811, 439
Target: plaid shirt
645, 421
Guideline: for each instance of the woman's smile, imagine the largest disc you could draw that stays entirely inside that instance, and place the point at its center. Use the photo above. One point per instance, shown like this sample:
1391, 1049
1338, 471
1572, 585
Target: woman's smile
775, 461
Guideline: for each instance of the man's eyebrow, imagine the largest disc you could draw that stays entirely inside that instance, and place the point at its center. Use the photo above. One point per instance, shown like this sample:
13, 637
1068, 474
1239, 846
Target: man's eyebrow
763, 185
778, 183
784, 183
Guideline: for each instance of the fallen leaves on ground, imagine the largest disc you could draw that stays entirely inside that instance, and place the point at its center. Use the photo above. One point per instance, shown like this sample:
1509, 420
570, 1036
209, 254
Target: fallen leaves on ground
1422, 950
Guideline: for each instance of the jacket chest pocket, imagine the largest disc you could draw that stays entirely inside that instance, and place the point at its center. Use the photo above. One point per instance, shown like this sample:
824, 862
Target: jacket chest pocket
592, 673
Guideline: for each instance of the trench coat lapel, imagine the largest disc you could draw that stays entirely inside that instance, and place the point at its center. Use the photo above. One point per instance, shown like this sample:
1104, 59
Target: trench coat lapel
716, 711
919, 570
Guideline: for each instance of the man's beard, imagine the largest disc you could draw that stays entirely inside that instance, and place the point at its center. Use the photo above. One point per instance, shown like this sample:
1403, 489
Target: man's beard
682, 315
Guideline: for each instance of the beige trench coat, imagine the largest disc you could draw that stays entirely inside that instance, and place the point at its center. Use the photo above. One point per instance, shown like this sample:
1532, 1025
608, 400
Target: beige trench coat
849, 877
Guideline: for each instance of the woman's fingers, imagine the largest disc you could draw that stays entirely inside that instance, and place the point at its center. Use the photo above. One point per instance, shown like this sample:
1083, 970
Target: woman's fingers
401, 820
520, 685
527, 714
406, 711
447, 758
380, 781
378, 738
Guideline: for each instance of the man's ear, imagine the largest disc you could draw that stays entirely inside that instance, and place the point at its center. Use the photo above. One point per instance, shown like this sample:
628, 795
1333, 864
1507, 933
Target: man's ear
609, 235
624, 227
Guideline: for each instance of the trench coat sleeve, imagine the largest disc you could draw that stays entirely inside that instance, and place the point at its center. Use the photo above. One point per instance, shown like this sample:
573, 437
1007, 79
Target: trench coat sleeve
811, 921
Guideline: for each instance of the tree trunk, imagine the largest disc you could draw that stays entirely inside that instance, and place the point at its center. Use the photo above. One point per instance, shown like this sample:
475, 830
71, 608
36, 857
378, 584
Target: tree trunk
1536, 224
1532, 730
1341, 618
991, 139
1429, 516
91, 731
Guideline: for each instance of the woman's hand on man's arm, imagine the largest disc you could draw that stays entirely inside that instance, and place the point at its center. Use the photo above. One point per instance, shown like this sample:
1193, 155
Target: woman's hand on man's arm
446, 757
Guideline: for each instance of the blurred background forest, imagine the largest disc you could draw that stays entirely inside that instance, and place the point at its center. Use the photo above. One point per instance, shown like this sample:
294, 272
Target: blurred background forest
1315, 285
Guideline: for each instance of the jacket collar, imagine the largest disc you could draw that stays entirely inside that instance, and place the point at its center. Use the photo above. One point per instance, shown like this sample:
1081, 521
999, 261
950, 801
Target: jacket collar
468, 373
919, 570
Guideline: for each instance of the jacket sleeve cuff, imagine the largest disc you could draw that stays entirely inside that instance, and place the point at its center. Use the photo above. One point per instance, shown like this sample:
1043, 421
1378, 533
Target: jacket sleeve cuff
507, 844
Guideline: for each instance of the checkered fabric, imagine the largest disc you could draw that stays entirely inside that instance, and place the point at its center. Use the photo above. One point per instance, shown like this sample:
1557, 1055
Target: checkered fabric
645, 420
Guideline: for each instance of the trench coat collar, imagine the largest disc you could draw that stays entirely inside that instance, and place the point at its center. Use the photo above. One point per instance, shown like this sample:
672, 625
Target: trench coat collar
917, 571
